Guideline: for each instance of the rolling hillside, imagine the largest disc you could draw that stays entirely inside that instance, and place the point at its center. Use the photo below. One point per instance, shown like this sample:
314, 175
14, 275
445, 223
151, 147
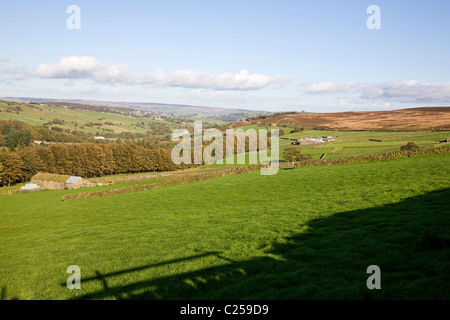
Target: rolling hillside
414, 119
100, 120
223, 114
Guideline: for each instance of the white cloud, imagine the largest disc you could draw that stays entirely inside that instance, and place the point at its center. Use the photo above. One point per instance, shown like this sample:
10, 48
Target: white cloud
4, 59
14, 73
91, 68
331, 88
410, 91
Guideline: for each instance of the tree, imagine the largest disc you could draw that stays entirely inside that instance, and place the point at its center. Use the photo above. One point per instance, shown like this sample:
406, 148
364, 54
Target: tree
32, 164
110, 164
15, 138
76, 154
98, 158
410, 146
12, 167
47, 158
60, 152
298, 129
292, 154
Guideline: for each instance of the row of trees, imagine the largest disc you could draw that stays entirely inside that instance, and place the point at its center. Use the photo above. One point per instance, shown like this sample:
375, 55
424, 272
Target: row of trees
85, 159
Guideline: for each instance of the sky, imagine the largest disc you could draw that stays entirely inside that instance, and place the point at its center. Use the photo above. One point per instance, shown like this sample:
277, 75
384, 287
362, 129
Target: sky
316, 56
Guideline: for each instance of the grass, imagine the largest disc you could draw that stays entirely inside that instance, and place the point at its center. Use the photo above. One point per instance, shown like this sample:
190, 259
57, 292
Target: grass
307, 233
354, 143
112, 186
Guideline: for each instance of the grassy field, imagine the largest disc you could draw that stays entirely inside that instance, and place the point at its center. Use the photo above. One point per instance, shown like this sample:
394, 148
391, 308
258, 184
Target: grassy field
354, 143
306, 233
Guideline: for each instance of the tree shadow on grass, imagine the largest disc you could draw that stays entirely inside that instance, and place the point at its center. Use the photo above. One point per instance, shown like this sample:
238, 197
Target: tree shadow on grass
409, 241
4, 295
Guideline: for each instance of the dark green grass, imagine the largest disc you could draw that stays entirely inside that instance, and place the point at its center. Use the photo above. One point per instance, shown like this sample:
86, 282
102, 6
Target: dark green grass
307, 233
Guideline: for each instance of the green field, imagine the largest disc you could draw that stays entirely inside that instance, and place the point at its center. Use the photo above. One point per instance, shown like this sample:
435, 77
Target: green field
354, 143
306, 233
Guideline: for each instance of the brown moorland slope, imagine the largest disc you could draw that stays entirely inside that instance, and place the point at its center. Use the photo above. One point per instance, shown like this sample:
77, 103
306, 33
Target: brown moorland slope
414, 119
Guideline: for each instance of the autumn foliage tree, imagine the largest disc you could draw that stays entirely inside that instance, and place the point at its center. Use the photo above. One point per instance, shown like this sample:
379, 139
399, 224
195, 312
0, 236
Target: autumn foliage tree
84, 159
11, 168
32, 163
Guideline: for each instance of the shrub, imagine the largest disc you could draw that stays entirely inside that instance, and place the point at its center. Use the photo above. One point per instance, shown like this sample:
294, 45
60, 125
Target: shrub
57, 129
298, 129
293, 154
58, 121
410, 146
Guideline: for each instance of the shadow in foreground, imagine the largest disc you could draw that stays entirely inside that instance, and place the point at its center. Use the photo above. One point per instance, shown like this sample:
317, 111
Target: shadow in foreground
4, 296
409, 241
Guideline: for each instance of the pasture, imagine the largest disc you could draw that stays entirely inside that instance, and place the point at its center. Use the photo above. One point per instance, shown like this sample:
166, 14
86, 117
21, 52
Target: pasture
353, 143
305, 233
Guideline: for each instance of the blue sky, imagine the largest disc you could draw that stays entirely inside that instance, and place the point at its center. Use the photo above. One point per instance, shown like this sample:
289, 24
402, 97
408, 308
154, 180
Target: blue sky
267, 55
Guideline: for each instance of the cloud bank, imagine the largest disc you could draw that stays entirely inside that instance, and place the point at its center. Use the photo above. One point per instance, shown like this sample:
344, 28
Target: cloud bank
85, 67
89, 69
411, 91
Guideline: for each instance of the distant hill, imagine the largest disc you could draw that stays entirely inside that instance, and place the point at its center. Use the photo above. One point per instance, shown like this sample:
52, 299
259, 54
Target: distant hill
224, 114
93, 120
427, 118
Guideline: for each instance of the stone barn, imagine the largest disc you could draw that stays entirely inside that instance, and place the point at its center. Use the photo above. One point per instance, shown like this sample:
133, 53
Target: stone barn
59, 182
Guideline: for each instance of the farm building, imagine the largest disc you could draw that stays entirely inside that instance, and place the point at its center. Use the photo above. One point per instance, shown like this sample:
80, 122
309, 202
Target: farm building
59, 182
308, 141
312, 140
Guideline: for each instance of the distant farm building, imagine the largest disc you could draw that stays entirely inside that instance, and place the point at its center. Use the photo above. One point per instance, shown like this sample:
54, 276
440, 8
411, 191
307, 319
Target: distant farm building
60, 182
311, 140
41, 143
